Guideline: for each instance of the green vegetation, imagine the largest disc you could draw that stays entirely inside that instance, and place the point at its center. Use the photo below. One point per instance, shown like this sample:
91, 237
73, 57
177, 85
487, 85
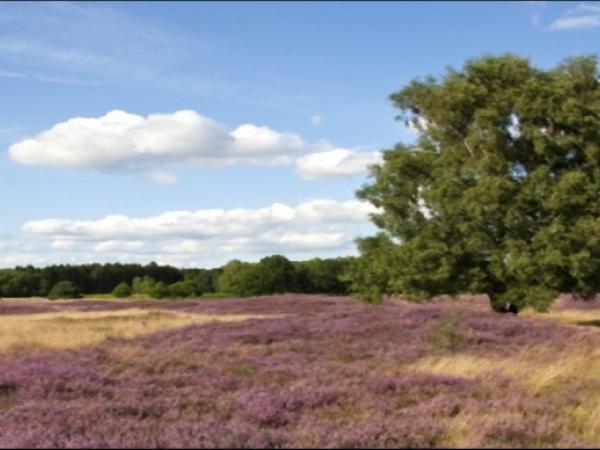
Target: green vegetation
64, 289
271, 275
499, 195
184, 289
122, 290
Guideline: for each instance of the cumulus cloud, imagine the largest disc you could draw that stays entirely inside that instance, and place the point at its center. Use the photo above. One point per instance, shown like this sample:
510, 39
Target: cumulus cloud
118, 246
336, 162
120, 140
322, 227
582, 16
257, 141
575, 23
62, 244
204, 223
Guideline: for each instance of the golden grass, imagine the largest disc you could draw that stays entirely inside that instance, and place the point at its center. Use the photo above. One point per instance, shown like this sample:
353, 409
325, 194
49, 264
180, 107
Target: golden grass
538, 374
569, 316
58, 330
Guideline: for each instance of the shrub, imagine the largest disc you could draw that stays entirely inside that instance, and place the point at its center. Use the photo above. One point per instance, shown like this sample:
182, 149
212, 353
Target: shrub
234, 278
122, 290
184, 289
64, 289
142, 285
446, 334
159, 290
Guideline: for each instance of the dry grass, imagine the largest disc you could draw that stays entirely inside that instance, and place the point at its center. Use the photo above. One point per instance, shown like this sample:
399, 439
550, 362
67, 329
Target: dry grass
60, 330
543, 372
576, 317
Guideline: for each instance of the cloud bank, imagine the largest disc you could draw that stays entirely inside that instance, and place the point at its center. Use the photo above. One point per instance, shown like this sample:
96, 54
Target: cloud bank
208, 236
120, 141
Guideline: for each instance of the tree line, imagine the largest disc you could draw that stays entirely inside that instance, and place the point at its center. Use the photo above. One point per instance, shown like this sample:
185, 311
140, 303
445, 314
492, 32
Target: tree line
271, 275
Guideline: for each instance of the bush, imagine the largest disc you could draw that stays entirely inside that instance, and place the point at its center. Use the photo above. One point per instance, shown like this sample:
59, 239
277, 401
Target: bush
122, 290
142, 285
64, 289
234, 278
272, 275
320, 276
184, 289
447, 334
160, 290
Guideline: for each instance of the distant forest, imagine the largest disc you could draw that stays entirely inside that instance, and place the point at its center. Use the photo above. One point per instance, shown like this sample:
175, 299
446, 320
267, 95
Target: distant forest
271, 275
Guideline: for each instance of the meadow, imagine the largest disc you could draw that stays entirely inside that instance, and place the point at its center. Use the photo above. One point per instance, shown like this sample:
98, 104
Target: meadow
297, 371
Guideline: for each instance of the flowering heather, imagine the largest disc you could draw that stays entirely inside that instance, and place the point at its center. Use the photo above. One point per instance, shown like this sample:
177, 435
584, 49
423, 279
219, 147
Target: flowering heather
322, 371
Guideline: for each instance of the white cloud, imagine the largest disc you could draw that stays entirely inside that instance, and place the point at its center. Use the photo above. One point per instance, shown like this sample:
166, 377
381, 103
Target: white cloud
123, 141
118, 246
582, 16
304, 240
418, 124
576, 23
120, 141
255, 141
163, 177
63, 244
318, 227
203, 223
336, 162
316, 119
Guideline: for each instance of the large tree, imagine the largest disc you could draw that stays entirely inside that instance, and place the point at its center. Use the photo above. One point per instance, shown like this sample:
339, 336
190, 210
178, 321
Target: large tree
500, 194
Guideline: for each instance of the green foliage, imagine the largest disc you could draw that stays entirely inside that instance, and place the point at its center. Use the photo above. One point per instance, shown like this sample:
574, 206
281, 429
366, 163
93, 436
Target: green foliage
91, 278
501, 192
142, 285
447, 333
159, 290
370, 275
235, 278
322, 275
64, 289
22, 282
204, 279
122, 290
272, 275
184, 289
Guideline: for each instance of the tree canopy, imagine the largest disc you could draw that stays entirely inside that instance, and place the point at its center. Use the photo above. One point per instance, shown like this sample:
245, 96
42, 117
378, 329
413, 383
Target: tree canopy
500, 194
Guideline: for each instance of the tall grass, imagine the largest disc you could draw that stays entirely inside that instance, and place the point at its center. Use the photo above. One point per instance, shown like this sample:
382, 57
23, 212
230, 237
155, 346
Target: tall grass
73, 329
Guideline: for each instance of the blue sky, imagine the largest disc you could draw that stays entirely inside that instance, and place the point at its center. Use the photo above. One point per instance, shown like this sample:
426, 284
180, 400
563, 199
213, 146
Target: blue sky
194, 133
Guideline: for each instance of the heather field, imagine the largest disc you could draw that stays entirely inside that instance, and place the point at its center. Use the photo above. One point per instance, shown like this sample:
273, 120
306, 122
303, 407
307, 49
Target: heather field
297, 371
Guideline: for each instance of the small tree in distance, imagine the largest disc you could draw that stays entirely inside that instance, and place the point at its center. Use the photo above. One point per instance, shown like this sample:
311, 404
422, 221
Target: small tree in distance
184, 289
159, 290
501, 192
122, 290
64, 289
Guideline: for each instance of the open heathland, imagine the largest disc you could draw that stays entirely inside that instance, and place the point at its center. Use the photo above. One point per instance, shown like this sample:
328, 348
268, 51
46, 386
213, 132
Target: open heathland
297, 371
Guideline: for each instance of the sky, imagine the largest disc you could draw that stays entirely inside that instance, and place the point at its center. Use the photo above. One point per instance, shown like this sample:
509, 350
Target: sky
193, 133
